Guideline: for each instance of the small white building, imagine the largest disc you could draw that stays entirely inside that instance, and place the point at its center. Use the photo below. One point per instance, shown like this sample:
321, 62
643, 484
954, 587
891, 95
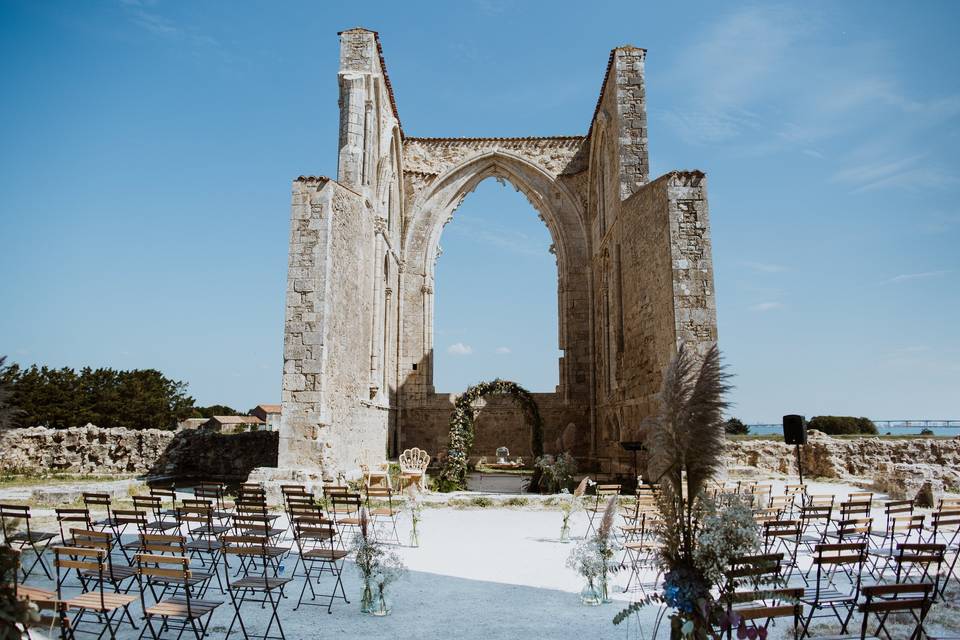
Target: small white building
269, 414
234, 424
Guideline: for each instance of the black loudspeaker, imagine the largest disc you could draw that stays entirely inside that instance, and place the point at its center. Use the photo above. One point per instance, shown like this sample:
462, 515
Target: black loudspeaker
794, 429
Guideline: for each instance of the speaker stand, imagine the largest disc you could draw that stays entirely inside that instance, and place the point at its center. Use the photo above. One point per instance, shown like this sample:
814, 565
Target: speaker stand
799, 464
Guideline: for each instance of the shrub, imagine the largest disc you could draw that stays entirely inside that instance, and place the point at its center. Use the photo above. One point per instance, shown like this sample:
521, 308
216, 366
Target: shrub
926, 431
842, 425
735, 427
557, 472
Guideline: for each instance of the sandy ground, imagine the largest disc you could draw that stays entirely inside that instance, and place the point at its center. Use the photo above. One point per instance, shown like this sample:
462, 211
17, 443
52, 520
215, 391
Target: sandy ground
479, 573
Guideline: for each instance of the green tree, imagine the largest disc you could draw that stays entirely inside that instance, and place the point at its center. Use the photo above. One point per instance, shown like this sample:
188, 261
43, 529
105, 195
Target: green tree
61, 398
214, 410
842, 425
735, 427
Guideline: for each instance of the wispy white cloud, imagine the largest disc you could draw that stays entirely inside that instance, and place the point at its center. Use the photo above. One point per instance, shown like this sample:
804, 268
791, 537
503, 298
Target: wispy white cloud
490, 8
765, 267
145, 15
503, 350
767, 306
907, 277
459, 349
908, 172
940, 222
741, 83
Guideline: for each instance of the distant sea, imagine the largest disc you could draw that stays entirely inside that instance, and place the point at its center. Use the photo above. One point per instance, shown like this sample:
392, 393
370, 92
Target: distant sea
777, 429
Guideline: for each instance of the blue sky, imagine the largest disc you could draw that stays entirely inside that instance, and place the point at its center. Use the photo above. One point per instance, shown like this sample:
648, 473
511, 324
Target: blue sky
147, 148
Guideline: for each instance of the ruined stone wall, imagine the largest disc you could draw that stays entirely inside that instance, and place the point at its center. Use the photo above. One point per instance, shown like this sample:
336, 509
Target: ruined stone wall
499, 424
330, 417
634, 273
919, 468
654, 286
95, 451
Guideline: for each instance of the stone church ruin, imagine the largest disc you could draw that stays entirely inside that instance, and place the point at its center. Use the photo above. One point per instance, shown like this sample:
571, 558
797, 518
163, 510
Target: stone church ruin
633, 260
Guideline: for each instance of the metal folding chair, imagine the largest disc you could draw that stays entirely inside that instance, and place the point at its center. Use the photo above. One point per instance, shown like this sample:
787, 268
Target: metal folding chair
603, 493
921, 562
159, 519
386, 514
640, 553
193, 613
35, 541
945, 529
783, 536
902, 529
174, 545
263, 589
114, 574
74, 519
105, 606
315, 538
825, 594
345, 508
757, 609
91, 500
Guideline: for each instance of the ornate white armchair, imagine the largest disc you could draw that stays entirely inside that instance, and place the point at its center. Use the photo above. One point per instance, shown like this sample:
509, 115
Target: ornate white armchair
413, 467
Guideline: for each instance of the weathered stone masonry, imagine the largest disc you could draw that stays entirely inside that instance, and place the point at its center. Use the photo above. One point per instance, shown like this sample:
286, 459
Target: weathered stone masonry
633, 263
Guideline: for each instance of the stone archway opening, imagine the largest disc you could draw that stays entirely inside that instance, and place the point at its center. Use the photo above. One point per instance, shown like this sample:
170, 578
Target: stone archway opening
495, 294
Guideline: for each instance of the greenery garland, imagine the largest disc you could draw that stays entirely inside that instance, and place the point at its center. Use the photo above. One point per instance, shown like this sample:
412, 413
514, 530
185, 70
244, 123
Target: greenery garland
453, 476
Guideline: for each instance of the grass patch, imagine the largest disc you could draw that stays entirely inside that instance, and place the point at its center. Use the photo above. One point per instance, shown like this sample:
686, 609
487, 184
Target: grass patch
26, 479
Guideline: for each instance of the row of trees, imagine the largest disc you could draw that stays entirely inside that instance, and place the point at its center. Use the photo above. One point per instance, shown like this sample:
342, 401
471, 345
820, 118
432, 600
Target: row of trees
830, 425
135, 399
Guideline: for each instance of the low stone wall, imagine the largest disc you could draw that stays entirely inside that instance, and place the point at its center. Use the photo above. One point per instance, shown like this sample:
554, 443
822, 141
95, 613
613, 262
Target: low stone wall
901, 468
92, 450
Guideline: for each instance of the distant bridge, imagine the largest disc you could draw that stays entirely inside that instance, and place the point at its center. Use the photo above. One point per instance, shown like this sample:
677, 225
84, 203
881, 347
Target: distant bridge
896, 424
917, 423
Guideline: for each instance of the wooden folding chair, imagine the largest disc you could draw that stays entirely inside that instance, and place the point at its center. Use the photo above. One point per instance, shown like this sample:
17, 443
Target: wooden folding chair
921, 562
159, 518
114, 574
262, 589
215, 494
91, 500
167, 493
815, 519
35, 541
166, 569
881, 601
783, 536
828, 558
945, 529
106, 606
757, 609
754, 572
315, 537
383, 514
902, 530
892, 510
175, 545
783, 505
640, 552
74, 519
603, 493
122, 520
345, 509
53, 612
